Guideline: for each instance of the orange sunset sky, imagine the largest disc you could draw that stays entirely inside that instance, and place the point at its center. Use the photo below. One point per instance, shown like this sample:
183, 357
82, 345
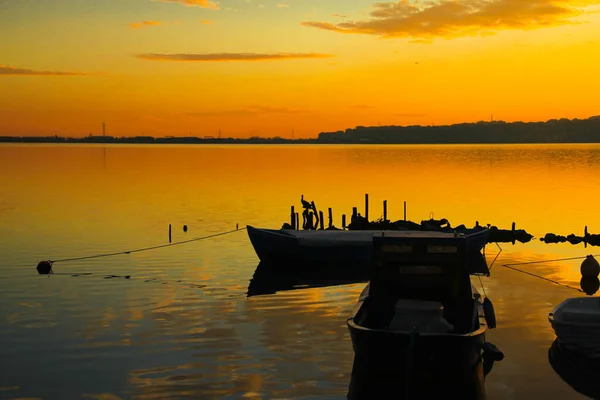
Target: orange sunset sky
267, 68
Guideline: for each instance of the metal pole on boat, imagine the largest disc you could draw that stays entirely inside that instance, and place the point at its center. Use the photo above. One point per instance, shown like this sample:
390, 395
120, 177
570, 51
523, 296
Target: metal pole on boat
367, 206
293, 218
330, 217
321, 223
343, 221
385, 210
405, 210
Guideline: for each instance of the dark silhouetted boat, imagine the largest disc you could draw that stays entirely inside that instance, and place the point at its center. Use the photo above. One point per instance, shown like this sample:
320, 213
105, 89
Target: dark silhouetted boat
419, 316
576, 322
352, 247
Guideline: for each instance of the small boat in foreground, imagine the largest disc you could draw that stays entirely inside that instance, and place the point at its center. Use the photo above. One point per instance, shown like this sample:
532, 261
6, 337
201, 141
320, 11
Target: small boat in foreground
352, 247
419, 316
576, 322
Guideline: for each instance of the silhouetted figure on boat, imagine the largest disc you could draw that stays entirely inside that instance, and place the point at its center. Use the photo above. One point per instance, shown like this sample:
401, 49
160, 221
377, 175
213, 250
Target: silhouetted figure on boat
305, 203
307, 218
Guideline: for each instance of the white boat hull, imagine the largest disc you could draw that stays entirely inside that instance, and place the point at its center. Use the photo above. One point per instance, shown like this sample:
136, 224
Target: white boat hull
576, 322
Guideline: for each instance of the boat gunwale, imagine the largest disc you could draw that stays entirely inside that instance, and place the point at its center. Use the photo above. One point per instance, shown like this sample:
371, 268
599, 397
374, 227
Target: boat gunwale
557, 322
353, 325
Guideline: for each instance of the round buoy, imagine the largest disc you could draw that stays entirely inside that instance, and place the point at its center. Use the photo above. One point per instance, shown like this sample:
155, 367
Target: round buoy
589, 285
185, 228
590, 267
44, 267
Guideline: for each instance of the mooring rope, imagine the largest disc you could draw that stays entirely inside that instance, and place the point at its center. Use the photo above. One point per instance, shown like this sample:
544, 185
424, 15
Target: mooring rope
547, 261
237, 229
542, 277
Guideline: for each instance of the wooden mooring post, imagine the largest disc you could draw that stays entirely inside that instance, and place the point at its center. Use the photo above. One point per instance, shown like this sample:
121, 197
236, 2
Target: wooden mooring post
293, 218
385, 210
169, 233
367, 206
330, 217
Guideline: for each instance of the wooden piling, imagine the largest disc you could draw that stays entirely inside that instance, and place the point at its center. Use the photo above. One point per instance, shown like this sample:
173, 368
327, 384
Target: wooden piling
513, 227
330, 217
585, 232
385, 210
367, 206
321, 223
293, 218
169, 233
405, 210
343, 221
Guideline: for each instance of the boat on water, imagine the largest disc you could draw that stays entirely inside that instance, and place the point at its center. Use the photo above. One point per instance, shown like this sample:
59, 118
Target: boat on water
576, 322
352, 247
419, 316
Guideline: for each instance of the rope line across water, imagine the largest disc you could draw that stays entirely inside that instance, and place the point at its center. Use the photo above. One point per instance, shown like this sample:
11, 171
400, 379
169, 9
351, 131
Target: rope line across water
546, 261
147, 248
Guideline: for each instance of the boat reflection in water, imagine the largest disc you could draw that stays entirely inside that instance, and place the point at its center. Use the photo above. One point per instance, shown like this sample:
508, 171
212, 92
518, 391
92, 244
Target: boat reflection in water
270, 278
468, 384
579, 372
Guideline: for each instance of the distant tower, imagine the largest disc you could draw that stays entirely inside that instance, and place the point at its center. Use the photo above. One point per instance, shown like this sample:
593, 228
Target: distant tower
103, 129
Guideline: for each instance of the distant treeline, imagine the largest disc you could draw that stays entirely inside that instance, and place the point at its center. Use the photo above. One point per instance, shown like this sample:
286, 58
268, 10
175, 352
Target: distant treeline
552, 131
150, 140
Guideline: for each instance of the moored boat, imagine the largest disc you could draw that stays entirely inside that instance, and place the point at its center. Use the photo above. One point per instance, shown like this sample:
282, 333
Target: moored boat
353, 247
419, 316
576, 322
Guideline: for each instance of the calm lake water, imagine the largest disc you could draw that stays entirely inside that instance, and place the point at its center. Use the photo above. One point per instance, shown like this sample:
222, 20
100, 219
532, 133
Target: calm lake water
183, 325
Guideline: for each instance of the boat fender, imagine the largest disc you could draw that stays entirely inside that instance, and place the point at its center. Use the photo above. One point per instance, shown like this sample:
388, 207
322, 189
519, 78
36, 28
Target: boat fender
491, 351
490, 314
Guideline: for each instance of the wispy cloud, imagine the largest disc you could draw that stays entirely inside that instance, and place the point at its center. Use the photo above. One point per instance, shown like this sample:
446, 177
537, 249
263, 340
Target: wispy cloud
195, 3
230, 56
451, 18
248, 111
6, 70
144, 24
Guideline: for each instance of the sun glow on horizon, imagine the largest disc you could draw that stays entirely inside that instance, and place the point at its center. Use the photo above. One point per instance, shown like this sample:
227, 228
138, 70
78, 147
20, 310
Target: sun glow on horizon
190, 67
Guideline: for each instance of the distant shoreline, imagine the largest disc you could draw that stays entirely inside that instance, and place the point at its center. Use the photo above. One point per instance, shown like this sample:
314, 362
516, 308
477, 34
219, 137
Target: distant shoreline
495, 132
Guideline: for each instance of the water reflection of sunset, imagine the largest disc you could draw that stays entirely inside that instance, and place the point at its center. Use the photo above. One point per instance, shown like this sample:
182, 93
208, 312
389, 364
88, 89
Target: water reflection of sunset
182, 325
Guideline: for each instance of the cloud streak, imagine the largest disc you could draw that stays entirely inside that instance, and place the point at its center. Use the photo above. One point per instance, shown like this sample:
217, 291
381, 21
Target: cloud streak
247, 111
6, 70
144, 24
451, 18
195, 3
220, 57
